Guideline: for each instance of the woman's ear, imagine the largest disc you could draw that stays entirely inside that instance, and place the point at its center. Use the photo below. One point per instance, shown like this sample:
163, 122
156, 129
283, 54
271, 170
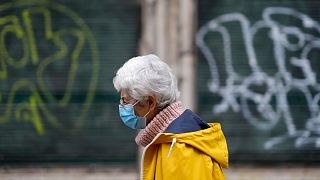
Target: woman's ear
152, 102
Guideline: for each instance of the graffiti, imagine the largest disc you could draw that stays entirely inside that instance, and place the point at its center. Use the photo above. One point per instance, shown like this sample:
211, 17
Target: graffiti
290, 45
40, 63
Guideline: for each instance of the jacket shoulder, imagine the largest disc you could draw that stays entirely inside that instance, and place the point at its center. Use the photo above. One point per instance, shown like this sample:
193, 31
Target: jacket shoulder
188, 121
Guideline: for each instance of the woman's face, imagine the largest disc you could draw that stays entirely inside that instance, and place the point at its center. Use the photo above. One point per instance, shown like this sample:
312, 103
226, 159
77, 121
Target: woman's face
141, 109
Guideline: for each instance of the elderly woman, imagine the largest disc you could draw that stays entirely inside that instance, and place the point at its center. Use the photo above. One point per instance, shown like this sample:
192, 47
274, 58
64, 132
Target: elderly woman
178, 143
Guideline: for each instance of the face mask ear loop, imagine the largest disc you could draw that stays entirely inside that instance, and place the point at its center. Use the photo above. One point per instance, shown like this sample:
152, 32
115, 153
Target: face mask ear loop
135, 103
147, 113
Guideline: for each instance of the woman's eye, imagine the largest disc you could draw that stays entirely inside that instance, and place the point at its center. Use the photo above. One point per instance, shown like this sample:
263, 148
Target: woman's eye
123, 102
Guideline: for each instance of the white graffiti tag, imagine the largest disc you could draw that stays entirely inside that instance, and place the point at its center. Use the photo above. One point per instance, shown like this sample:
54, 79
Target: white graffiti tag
272, 105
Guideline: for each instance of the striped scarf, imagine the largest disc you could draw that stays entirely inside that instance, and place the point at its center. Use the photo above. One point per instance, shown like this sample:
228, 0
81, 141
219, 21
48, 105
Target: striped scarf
159, 123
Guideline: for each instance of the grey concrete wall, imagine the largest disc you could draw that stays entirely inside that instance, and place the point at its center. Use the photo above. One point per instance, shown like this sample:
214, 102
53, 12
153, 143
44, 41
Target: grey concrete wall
168, 30
236, 172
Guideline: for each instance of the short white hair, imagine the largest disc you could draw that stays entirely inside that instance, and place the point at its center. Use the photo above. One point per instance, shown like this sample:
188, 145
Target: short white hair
143, 76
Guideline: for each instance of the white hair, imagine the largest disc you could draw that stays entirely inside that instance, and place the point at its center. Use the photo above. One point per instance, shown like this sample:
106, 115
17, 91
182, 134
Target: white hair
143, 76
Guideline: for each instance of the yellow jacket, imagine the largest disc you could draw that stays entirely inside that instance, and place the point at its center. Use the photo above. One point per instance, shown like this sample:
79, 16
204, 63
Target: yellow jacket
198, 155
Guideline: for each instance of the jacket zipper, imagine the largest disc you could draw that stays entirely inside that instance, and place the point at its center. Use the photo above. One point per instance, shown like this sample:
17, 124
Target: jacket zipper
143, 153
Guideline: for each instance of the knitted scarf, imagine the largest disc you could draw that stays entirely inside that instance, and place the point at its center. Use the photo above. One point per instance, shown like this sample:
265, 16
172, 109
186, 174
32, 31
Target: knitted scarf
159, 123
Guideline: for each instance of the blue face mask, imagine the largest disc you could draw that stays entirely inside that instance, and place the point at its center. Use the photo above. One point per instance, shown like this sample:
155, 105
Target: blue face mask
129, 118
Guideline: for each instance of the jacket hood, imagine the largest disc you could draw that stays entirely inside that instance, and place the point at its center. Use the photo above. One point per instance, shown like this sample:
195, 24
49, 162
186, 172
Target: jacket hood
210, 141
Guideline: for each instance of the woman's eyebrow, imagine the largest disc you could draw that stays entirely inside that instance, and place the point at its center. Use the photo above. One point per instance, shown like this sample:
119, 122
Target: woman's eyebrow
124, 99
